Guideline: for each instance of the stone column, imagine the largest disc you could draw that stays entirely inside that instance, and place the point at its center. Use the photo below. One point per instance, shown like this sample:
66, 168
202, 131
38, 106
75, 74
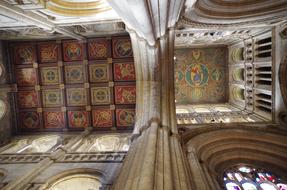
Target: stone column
155, 159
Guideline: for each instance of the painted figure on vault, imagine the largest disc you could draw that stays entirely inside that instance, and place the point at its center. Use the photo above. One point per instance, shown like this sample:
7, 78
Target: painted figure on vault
196, 75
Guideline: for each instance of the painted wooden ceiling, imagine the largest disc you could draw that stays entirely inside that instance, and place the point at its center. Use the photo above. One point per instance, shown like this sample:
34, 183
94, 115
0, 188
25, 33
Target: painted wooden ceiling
201, 75
70, 85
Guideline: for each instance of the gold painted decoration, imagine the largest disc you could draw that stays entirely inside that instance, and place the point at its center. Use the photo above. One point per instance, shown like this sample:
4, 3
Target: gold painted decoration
29, 120
78, 8
76, 97
25, 54
72, 91
78, 119
52, 98
100, 95
99, 49
48, 52
200, 75
125, 117
124, 72
50, 75
122, 48
102, 118
73, 51
74, 74
99, 73
54, 119
125, 94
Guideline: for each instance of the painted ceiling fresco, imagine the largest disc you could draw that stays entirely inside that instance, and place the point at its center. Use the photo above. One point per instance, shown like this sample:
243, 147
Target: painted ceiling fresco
201, 75
69, 85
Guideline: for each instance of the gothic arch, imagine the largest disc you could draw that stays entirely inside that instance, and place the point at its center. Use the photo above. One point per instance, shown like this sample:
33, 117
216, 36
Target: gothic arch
215, 148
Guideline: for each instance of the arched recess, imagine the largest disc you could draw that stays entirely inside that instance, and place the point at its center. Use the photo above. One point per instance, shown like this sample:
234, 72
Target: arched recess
213, 149
105, 143
237, 54
82, 178
238, 74
283, 80
238, 93
37, 145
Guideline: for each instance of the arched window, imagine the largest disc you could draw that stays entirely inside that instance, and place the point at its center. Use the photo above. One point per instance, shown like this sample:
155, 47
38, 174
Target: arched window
251, 178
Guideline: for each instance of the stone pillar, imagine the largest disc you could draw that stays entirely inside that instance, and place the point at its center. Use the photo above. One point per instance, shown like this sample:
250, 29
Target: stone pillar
199, 179
155, 159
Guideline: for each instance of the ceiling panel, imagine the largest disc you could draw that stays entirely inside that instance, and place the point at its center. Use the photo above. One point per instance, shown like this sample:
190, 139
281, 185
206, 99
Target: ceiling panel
201, 75
70, 85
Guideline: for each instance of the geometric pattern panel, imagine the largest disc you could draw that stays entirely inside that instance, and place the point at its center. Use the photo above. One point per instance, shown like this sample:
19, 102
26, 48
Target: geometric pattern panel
54, 119
48, 52
28, 99
73, 51
52, 98
125, 94
200, 75
30, 119
26, 77
73, 85
74, 74
50, 75
78, 119
99, 49
76, 97
24, 54
124, 72
100, 95
122, 48
102, 118
125, 117
99, 73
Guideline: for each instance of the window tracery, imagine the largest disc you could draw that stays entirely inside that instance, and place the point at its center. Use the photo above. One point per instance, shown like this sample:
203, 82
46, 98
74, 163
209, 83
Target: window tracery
251, 178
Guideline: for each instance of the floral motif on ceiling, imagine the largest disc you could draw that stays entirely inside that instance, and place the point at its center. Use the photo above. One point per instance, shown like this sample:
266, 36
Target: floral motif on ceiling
70, 85
201, 75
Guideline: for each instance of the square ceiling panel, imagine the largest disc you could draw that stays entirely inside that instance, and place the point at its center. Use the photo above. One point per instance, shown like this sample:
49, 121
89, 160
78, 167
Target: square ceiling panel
70, 85
201, 75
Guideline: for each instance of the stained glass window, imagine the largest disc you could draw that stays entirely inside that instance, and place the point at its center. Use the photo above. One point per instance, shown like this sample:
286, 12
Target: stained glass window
250, 178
